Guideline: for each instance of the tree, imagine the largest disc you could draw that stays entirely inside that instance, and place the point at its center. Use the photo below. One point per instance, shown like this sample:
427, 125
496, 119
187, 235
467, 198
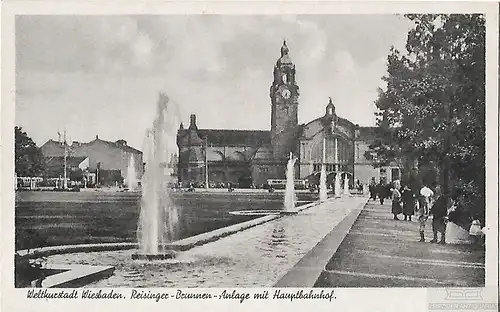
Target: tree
433, 109
29, 158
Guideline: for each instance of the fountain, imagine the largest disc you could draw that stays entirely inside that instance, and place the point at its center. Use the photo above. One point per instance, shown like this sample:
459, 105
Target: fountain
337, 184
158, 221
290, 187
322, 185
131, 175
346, 184
323, 195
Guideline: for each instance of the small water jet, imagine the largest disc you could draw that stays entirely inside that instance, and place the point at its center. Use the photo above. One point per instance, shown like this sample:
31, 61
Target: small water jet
322, 184
290, 199
323, 193
158, 221
346, 185
131, 175
337, 184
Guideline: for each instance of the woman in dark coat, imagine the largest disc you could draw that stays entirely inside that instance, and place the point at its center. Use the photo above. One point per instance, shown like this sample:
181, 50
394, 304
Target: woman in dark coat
373, 190
382, 194
408, 203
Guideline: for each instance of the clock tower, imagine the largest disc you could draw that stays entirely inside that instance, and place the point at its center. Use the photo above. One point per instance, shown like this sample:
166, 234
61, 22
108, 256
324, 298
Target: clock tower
284, 95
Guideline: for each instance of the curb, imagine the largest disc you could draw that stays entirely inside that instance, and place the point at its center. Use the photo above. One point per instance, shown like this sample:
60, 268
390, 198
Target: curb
307, 271
180, 245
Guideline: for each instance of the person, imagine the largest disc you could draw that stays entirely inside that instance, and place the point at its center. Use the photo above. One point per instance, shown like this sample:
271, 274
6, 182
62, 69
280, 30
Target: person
373, 189
408, 203
360, 187
388, 190
381, 192
396, 200
439, 212
426, 198
422, 217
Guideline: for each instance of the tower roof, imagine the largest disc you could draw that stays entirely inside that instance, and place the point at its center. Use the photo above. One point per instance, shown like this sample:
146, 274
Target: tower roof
285, 58
284, 48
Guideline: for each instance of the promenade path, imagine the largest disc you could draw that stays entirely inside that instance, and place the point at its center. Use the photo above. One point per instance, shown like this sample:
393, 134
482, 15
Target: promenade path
381, 252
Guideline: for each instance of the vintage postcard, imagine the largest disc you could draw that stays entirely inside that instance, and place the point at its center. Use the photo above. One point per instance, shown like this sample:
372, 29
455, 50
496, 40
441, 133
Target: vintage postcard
250, 155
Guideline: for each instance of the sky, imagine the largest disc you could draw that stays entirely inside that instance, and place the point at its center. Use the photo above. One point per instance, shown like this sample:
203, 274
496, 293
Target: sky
101, 75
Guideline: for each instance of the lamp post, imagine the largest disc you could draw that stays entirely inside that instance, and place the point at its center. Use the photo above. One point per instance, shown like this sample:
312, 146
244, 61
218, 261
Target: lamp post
206, 162
65, 183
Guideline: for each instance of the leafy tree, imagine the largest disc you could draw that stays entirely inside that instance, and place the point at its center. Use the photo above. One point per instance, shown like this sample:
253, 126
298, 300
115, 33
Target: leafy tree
433, 109
29, 158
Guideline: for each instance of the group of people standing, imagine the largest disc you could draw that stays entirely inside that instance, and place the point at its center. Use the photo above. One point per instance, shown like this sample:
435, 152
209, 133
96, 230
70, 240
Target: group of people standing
380, 190
424, 202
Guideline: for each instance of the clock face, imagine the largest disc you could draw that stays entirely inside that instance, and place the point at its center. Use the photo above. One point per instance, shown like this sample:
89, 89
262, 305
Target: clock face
285, 93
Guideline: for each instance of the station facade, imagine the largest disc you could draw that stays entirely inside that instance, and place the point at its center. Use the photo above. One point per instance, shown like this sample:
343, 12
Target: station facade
246, 157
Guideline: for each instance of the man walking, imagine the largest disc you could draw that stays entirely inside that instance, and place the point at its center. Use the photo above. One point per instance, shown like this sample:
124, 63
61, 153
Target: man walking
381, 192
439, 211
373, 189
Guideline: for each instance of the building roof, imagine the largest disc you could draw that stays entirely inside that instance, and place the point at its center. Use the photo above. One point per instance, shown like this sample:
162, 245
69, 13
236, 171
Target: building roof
58, 161
117, 144
232, 137
52, 147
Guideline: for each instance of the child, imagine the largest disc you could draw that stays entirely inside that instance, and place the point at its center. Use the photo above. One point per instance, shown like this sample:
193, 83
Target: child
422, 218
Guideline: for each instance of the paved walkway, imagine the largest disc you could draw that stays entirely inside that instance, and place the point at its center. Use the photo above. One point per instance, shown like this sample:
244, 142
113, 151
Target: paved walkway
381, 252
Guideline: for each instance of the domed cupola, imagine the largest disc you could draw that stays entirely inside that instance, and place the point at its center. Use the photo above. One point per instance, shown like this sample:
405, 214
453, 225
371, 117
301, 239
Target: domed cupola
330, 118
330, 109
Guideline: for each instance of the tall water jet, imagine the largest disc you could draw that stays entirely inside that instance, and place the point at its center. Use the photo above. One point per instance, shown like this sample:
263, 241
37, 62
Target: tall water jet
158, 221
337, 184
323, 195
346, 184
131, 174
322, 178
290, 185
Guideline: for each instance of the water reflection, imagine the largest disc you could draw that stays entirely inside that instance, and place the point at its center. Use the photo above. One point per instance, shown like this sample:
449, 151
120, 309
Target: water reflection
278, 237
278, 241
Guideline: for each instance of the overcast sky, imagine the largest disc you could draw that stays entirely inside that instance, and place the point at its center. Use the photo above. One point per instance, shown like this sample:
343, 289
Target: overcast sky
100, 75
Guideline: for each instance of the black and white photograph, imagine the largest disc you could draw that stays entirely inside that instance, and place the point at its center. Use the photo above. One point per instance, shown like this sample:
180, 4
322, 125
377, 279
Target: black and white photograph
275, 151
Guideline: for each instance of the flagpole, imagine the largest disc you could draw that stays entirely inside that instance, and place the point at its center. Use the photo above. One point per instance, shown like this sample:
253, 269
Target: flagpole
206, 162
65, 184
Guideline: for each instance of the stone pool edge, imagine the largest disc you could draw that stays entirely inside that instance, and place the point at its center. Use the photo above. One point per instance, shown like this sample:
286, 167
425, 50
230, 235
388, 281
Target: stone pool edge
180, 245
76, 275
307, 270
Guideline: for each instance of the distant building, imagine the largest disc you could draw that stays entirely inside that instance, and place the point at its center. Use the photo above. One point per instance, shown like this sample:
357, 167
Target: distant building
111, 158
54, 165
251, 156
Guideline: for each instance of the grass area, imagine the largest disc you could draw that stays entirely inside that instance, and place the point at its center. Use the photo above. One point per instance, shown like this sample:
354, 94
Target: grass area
53, 218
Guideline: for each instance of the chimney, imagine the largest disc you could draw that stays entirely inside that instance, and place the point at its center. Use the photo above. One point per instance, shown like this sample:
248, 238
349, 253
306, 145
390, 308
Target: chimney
192, 124
181, 126
97, 137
